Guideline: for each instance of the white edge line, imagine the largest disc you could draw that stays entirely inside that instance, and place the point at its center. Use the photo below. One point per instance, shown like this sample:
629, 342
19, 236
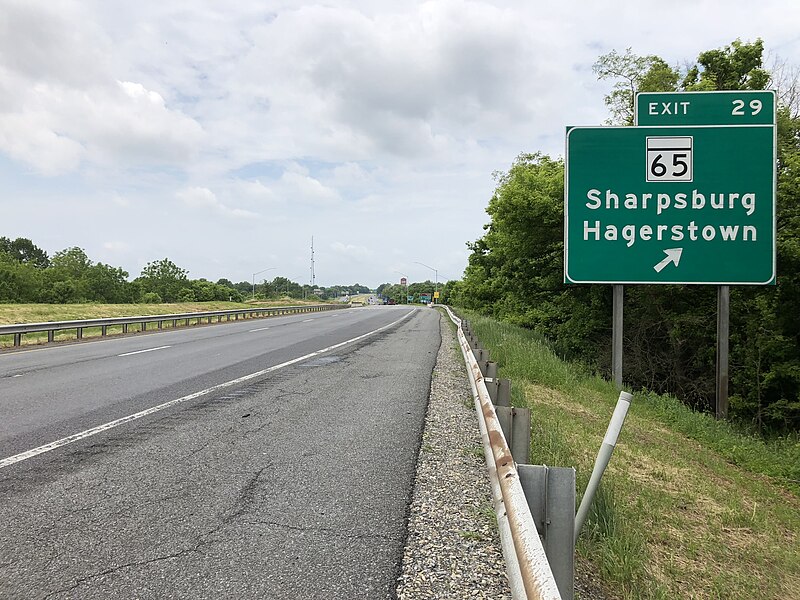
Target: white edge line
143, 351
6, 462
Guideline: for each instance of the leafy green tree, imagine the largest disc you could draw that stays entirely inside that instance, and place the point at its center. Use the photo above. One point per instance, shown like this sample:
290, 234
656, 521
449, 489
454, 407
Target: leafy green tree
738, 66
514, 270
165, 278
24, 251
286, 287
632, 74
19, 281
186, 295
151, 298
70, 263
61, 292
243, 287
107, 284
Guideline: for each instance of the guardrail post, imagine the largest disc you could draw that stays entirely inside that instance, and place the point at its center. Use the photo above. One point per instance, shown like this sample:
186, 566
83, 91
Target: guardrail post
491, 369
503, 392
516, 425
492, 386
481, 355
16, 331
550, 492
490, 379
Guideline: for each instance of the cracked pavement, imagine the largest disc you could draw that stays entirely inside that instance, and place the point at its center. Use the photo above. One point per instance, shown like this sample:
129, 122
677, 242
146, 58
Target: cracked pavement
297, 487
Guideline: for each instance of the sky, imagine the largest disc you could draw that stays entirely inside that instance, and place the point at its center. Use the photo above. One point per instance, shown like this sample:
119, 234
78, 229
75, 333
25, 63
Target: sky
224, 136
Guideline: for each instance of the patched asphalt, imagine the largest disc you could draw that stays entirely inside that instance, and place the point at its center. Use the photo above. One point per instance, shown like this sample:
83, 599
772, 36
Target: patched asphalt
294, 485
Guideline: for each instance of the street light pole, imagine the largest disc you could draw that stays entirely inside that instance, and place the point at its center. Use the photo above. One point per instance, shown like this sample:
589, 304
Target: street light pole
436, 275
254, 279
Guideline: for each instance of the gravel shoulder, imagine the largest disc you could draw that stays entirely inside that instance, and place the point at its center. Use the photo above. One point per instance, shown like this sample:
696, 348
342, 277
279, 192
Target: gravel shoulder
453, 547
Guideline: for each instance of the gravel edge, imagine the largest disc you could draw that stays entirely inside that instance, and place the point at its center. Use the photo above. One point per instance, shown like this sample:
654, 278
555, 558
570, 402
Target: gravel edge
453, 546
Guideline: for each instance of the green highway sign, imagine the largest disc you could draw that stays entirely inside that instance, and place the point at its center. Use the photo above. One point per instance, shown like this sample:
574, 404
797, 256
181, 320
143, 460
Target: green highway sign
740, 107
679, 204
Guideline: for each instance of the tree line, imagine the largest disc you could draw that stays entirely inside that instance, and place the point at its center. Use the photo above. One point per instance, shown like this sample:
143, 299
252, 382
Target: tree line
400, 293
515, 270
28, 274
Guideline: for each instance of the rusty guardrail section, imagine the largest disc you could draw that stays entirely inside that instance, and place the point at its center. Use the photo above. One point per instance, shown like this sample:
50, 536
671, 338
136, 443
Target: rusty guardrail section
528, 569
51, 327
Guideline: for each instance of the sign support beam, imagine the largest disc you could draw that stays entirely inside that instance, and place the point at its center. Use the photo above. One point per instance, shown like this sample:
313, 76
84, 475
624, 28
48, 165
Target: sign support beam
616, 335
723, 331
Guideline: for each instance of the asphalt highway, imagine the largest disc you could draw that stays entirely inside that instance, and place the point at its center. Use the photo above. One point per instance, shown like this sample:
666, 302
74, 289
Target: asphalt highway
269, 458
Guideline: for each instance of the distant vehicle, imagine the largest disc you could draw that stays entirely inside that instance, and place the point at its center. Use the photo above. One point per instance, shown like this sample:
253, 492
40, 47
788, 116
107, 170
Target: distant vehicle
391, 301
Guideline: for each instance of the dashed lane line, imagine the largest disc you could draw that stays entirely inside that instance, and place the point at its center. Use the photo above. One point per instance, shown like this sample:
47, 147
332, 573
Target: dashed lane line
11, 460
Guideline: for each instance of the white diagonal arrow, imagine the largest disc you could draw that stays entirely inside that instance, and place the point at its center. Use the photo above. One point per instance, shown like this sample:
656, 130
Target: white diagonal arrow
673, 256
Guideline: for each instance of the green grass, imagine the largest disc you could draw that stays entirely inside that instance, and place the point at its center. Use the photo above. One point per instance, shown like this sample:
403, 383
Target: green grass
689, 507
41, 313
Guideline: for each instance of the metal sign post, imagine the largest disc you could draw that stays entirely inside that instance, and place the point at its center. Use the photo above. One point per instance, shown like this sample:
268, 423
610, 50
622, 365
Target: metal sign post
736, 107
687, 196
616, 335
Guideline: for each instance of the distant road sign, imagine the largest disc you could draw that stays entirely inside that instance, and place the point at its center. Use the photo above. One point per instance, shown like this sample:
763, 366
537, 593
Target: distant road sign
739, 107
670, 205
436, 295
403, 281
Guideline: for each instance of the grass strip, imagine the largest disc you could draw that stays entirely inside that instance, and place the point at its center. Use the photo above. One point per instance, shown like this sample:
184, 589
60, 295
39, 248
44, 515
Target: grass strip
42, 313
689, 506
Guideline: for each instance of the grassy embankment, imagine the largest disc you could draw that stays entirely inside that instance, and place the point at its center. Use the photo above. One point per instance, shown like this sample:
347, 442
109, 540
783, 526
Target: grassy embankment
688, 508
40, 313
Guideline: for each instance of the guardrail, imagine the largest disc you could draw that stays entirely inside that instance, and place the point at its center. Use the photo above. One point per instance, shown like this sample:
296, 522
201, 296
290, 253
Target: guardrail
527, 566
249, 313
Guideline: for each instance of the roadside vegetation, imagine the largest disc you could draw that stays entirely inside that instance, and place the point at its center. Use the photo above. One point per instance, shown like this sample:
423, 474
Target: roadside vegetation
689, 507
29, 275
515, 271
41, 313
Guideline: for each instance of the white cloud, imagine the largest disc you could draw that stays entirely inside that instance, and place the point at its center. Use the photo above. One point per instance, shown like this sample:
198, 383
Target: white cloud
373, 125
200, 197
116, 246
62, 105
351, 250
26, 137
255, 192
297, 186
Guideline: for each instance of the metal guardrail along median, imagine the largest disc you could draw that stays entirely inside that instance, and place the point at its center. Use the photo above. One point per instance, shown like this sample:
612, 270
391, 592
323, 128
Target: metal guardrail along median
529, 572
248, 313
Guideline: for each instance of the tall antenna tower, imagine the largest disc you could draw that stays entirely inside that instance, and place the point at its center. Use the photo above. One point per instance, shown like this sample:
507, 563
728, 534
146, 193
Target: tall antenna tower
313, 278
